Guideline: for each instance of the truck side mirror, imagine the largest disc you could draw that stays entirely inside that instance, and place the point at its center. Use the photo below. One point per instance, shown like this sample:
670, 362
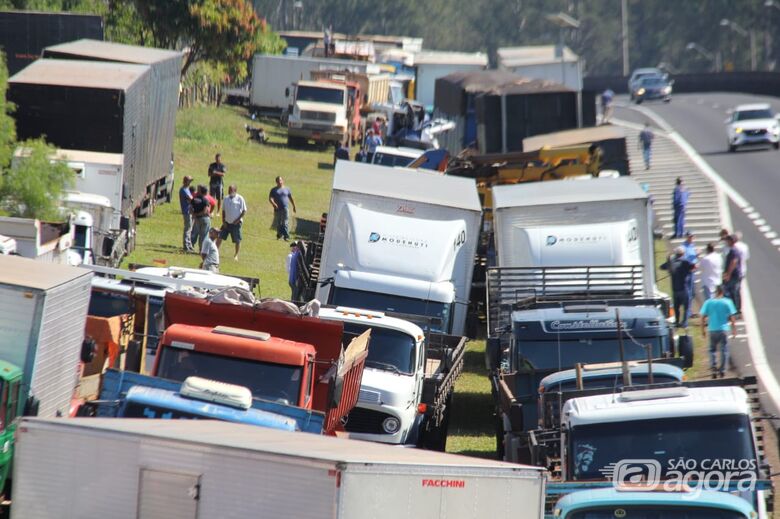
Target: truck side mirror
88, 350
31, 406
287, 92
493, 353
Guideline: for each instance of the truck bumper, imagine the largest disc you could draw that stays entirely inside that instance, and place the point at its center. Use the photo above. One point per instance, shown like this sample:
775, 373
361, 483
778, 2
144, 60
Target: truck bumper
316, 135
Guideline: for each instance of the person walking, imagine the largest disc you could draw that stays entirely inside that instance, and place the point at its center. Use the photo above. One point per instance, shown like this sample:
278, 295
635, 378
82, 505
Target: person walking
681, 272
233, 212
679, 204
291, 266
718, 316
732, 273
201, 216
185, 203
281, 199
744, 251
606, 105
217, 170
209, 252
646, 137
372, 141
711, 269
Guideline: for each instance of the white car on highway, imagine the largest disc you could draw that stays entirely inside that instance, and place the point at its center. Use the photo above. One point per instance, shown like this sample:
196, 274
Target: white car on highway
751, 125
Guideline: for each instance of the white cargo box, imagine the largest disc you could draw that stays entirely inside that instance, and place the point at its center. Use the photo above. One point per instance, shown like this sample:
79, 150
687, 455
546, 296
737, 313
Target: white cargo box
184, 469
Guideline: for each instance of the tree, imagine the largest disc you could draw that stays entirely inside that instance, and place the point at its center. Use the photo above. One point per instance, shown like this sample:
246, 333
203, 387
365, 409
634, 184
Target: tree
7, 129
225, 31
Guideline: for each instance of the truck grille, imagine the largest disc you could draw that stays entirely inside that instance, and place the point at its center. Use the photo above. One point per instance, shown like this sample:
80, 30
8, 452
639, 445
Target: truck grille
318, 116
367, 421
755, 132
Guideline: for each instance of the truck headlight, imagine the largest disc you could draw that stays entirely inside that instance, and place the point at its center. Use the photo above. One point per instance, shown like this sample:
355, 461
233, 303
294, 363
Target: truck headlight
391, 424
640, 92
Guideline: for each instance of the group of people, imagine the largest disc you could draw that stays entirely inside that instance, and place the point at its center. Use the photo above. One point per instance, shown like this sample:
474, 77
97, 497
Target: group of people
199, 204
721, 276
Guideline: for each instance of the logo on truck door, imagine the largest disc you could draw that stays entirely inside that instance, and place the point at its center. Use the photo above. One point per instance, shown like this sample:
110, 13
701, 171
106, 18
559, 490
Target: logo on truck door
444, 483
400, 241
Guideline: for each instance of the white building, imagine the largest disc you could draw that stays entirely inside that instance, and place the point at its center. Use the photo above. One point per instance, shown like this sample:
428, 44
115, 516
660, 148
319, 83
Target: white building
543, 62
432, 65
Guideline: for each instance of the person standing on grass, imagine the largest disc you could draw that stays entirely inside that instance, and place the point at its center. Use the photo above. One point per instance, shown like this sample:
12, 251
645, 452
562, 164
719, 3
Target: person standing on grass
233, 212
717, 316
291, 266
281, 199
185, 202
646, 137
217, 170
201, 215
711, 268
681, 272
679, 204
209, 252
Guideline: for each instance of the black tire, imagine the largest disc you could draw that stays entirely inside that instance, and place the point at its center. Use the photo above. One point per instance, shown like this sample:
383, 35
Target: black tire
639, 100
668, 100
685, 350
732, 148
776, 145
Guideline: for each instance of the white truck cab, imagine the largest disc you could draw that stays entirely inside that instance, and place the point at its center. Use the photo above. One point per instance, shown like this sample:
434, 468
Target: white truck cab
391, 390
320, 112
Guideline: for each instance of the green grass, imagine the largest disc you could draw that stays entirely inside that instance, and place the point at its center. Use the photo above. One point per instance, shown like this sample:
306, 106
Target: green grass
202, 132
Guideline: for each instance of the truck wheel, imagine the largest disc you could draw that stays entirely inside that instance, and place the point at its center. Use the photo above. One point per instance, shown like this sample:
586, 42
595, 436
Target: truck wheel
499, 426
685, 350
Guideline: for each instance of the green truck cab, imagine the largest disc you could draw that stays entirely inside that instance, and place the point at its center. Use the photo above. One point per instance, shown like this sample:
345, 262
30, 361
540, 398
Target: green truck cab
11, 406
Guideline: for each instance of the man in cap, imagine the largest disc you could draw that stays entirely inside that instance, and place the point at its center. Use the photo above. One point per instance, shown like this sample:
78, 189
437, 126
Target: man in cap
209, 252
681, 272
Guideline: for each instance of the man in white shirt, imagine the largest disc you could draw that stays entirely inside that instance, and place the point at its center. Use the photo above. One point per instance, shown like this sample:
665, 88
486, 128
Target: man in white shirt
711, 269
233, 211
209, 253
744, 249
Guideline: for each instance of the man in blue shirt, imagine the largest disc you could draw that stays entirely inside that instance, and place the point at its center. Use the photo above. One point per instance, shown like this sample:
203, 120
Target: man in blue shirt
681, 272
185, 202
372, 141
679, 203
717, 317
281, 199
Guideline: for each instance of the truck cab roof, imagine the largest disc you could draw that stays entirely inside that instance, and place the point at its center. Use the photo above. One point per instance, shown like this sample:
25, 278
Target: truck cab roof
240, 343
549, 193
323, 84
655, 404
539, 323
611, 497
612, 370
371, 318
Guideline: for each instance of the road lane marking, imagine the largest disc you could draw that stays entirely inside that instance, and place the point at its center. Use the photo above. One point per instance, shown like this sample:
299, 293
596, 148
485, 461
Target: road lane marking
760, 221
754, 215
771, 235
764, 228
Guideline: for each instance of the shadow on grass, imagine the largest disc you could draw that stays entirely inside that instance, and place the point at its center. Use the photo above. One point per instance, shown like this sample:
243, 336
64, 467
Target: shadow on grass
488, 455
472, 413
166, 248
307, 229
324, 165
474, 362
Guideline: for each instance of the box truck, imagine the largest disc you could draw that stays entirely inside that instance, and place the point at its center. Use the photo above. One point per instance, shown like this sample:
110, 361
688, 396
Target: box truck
93, 468
401, 241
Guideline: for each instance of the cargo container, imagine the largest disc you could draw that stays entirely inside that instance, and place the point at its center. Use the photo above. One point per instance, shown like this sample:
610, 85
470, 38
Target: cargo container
94, 468
91, 106
162, 102
24, 34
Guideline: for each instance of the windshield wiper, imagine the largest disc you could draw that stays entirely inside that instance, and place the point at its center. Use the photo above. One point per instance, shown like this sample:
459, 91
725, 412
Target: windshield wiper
384, 365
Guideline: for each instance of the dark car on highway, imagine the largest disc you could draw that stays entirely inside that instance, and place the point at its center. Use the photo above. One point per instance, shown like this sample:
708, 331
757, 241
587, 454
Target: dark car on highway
652, 88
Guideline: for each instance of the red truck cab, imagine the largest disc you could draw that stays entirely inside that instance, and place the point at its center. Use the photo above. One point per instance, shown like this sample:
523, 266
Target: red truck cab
273, 369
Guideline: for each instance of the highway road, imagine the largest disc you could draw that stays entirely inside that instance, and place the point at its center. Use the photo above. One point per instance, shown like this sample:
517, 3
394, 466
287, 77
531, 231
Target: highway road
755, 174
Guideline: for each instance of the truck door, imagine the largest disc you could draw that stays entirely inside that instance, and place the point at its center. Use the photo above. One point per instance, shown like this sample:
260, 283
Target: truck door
168, 495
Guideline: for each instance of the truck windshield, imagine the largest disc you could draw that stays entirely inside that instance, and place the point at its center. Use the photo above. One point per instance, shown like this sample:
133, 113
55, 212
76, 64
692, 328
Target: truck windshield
388, 159
614, 381
276, 382
725, 437
655, 512
440, 312
320, 95
389, 350
565, 352
137, 410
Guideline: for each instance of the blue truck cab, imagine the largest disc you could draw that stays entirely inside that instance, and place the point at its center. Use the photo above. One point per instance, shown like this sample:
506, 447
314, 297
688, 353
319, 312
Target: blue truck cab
611, 503
553, 337
125, 394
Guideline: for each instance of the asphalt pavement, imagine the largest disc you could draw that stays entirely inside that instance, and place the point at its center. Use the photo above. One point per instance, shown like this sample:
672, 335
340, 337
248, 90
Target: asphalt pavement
755, 174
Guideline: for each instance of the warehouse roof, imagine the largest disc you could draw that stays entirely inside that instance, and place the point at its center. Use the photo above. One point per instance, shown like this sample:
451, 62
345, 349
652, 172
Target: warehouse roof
106, 50
571, 137
501, 82
509, 57
435, 57
406, 184
27, 273
265, 440
80, 74
566, 192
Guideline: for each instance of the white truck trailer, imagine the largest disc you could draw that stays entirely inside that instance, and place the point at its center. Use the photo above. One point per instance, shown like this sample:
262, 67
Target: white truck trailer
43, 313
402, 241
94, 468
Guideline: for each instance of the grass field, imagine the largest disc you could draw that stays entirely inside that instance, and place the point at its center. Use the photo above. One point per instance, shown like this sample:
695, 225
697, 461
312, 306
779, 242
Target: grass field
202, 132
